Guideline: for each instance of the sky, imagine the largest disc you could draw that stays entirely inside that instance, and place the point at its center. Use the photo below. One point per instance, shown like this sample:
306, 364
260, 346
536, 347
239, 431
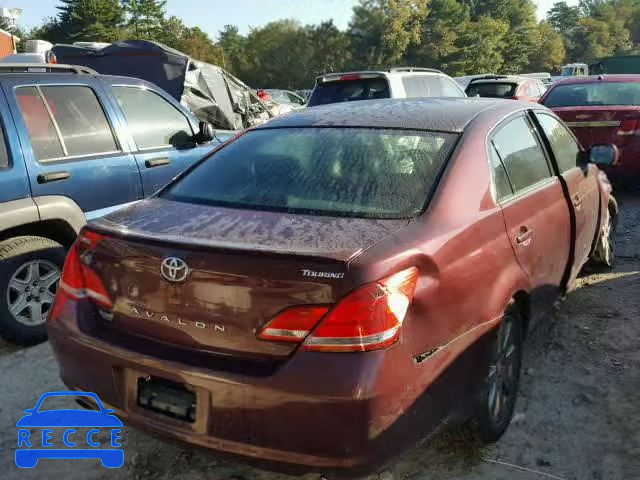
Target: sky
243, 13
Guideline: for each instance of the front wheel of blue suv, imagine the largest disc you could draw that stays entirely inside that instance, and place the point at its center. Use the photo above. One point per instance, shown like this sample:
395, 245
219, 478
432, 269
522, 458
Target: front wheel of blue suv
30, 269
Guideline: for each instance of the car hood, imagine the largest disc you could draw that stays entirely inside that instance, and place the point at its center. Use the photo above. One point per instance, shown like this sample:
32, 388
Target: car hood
69, 418
337, 238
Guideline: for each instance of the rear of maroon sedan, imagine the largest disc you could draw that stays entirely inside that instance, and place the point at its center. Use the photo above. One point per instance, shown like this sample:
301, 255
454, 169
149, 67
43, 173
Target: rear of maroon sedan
601, 110
287, 324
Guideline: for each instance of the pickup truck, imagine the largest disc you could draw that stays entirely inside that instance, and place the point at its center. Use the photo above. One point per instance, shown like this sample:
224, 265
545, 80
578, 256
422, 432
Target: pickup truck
75, 146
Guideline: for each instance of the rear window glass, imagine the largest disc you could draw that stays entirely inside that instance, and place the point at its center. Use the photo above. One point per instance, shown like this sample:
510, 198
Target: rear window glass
356, 172
492, 89
593, 94
422, 86
349, 91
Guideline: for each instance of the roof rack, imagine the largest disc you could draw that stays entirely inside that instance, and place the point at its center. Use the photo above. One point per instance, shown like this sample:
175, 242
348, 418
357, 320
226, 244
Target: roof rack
45, 68
414, 69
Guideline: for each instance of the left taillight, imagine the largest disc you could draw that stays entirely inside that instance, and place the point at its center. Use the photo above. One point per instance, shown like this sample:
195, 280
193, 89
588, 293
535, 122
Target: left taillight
630, 126
79, 281
369, 318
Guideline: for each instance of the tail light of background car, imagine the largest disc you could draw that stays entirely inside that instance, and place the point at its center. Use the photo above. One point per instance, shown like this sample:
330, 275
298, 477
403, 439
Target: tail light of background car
369, 318
78, 280
630, 126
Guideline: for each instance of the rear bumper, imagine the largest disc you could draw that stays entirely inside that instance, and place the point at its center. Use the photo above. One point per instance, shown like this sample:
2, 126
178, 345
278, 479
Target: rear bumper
318, 412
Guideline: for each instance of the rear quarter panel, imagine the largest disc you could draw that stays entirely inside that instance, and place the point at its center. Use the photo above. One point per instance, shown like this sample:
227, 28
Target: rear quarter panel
468, 271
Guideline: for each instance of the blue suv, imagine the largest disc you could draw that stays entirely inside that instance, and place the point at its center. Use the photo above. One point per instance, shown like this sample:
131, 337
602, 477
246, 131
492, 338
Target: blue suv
76, 145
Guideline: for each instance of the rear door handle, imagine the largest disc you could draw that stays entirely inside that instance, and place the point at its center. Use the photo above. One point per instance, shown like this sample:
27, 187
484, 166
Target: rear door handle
524, 237
156, 162
53, 177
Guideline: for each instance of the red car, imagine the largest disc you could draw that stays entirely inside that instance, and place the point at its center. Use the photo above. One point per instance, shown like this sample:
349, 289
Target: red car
603, 109
331, 286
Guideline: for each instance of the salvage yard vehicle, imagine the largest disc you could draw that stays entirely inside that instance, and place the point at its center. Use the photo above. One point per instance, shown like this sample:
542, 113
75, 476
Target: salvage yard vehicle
75, 146
506, 86
603, 109
404, 82
329, 287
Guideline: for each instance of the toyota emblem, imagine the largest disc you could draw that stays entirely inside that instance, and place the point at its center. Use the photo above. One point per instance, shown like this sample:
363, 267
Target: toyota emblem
174, 269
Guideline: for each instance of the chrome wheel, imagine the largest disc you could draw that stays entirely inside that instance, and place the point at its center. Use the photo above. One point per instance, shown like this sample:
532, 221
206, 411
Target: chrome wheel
504, 372
607, 243
31, 291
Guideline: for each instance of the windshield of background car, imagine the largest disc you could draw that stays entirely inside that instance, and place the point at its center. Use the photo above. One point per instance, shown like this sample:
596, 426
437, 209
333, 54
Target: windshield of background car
594, 94
492, 89
354, 172
349, 91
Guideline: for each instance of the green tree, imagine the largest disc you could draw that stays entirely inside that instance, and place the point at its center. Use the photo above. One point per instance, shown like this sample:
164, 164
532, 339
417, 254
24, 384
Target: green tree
145, 17
190, 41
278, 56
595, 40
233, 47
382, 30
563, 17
549, 54
330, 51
446, 21
480, 47
88, 20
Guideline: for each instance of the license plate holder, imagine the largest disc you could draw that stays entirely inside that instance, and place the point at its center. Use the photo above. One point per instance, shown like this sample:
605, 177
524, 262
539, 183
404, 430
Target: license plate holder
164, 397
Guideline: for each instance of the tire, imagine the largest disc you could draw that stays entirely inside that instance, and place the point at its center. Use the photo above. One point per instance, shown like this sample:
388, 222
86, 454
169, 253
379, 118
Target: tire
30, 268
490, 421
604, 255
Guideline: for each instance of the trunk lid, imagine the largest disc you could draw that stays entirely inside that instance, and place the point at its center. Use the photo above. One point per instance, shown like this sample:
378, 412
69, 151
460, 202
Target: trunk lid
244, 268
595, 125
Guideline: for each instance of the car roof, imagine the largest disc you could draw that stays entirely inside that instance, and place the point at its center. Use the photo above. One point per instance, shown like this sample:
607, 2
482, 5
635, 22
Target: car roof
71, 77
439, 114
502, 79
335, 76
599, 78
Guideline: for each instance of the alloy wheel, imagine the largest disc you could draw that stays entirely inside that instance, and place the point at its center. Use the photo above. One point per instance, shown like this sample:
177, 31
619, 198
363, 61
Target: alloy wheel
503, 372
31, 291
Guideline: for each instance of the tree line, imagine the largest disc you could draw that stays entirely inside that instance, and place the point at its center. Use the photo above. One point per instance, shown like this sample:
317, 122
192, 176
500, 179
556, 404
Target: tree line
457, 36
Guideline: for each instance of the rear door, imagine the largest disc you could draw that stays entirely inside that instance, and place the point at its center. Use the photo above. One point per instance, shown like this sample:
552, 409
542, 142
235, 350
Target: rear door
162, 136
582, 183
70, 145
536, 212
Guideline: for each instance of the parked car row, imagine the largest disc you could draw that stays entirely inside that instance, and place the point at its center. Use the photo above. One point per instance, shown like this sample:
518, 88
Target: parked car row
367, 267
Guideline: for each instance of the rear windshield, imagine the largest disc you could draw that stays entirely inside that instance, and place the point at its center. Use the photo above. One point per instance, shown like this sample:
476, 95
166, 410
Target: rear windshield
354, 172
492, 89
593, 94
349, 91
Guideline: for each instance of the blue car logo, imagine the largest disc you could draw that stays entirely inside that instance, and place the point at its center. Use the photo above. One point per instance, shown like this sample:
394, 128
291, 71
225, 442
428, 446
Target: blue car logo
32, 447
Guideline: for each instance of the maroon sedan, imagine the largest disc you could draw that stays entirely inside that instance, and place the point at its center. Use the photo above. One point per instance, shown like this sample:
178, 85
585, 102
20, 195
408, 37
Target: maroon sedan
333, 285
603, 109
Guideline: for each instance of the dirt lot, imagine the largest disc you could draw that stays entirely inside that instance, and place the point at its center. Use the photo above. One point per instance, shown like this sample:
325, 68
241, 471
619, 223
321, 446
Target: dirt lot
578, 416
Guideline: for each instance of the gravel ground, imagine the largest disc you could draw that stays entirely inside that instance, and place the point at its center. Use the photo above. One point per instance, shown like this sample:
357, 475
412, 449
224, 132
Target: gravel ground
578, 415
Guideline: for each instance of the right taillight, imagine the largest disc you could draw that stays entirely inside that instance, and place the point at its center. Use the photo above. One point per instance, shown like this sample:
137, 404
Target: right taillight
78, 280
630, 126
368, 318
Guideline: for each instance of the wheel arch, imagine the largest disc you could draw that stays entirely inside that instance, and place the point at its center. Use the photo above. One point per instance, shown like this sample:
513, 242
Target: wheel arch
56, 217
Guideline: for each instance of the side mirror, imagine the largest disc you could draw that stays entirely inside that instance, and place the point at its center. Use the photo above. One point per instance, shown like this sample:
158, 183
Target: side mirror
606, 154
205, 132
